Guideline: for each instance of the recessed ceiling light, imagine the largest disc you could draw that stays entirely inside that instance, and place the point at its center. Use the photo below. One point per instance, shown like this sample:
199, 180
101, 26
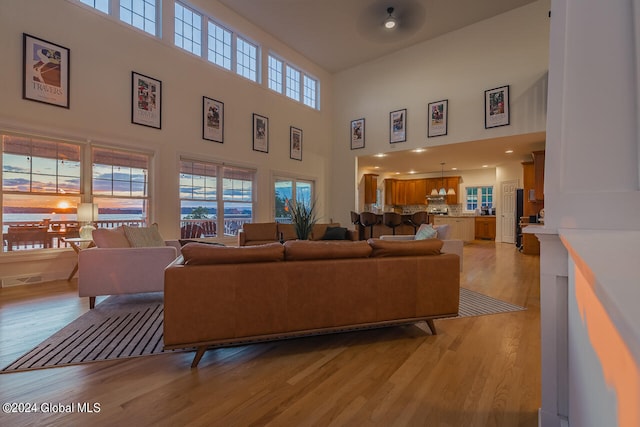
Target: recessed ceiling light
412, 172
397, 173
454, 169
485, 166
419, 150
509, 151
376, 167
379, 155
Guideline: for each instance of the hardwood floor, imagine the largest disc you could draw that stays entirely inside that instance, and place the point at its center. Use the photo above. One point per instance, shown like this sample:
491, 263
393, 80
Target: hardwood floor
478, 371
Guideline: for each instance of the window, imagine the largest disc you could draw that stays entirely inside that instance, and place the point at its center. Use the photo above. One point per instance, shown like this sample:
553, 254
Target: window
188, 30
247, 59
478, 197
219, 45
40, 189
213, 193
310, 92
140, 14
101, 5
285, 190
293, 83
275, 74
120, 186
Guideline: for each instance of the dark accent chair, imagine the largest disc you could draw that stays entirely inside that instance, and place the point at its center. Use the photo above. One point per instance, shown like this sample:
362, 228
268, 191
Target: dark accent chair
369, 219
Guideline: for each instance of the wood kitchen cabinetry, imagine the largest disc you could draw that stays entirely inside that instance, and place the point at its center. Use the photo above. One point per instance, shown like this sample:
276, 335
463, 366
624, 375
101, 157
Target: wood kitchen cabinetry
400, 192
485, 228
370, 188
462, 228
538, 166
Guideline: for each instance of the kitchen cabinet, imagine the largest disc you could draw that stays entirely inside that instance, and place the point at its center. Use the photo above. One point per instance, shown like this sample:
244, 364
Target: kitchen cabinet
453, 182
485, 228
446, 182
402, 192
538, 166
370, 188
462, 228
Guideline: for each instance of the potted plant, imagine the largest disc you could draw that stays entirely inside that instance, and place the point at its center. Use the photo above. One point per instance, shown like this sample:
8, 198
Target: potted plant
303, 217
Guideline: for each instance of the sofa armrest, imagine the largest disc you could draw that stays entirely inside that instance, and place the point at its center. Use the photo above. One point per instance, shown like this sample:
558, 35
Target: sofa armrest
114, 271
398, 237
453, 246
242, 238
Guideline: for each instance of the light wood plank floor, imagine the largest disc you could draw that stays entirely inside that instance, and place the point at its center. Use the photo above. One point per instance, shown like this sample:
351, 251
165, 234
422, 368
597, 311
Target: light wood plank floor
480, 371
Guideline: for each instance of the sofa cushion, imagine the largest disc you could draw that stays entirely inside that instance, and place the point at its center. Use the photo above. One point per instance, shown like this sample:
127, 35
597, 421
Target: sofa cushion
144, 237
443, 231
319, 229
388, 248
288, 231
298, 250
110, 238
426, 231
261, 231
335, 233
203, 254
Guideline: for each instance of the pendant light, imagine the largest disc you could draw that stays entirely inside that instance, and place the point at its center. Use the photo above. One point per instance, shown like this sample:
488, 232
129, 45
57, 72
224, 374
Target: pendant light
391, 22
443, 191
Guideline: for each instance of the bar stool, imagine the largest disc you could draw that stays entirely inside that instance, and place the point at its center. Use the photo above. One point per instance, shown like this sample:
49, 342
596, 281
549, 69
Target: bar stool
392, 220
355, 218
419, 218
369, 219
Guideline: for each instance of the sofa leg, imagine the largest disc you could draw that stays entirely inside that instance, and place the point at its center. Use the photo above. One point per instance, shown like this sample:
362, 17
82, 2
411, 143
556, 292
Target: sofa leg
198, 356
432, 326
92, 302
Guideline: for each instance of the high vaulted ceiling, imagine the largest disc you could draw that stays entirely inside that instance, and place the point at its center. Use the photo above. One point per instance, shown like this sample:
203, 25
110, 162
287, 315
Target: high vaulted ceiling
339, 34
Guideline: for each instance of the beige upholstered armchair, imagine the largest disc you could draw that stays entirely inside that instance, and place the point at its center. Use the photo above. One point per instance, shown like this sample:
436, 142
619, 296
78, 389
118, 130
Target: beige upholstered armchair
124, 261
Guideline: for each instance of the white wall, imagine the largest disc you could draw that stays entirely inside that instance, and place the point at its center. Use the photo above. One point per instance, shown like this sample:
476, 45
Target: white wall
104, 52
591, 183
508, 49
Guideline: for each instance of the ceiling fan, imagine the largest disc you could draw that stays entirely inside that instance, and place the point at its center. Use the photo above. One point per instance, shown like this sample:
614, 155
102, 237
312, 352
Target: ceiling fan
389, 21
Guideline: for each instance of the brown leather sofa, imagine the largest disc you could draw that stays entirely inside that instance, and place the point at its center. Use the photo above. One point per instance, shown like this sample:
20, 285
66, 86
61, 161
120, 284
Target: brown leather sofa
229, 295
259, 233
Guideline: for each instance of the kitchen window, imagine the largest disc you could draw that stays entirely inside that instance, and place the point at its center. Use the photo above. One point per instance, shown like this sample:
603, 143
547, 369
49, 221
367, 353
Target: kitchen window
478, 197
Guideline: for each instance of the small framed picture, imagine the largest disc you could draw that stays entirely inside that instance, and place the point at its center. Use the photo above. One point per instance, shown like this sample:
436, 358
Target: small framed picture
496, 107
438, 118
295, 143
212, 120
357, 134
398, 126
146, 101
260, 133
45, 71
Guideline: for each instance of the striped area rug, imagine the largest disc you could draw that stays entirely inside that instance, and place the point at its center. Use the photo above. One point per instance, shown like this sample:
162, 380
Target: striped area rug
476, 304
125, 326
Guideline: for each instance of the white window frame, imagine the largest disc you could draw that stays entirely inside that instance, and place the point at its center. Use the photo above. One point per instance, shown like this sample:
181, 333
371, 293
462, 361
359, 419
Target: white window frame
310, 101
200, 43
275, 77
157, 16
292, 90
480, 196
254, 73
212, 39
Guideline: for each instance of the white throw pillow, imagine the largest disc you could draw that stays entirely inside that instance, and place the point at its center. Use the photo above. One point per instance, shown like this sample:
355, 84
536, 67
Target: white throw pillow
443, 231
426, 231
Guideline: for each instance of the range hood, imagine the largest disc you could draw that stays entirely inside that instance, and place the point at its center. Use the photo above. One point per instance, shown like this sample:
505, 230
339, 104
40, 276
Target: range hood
435, 197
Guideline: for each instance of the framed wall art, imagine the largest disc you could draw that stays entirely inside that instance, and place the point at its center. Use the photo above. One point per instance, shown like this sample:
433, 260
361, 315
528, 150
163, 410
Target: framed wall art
295, 143
260, 133
146, 100
496, 107
438, 118
357, 134
398, 126
45, 71
212, 120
